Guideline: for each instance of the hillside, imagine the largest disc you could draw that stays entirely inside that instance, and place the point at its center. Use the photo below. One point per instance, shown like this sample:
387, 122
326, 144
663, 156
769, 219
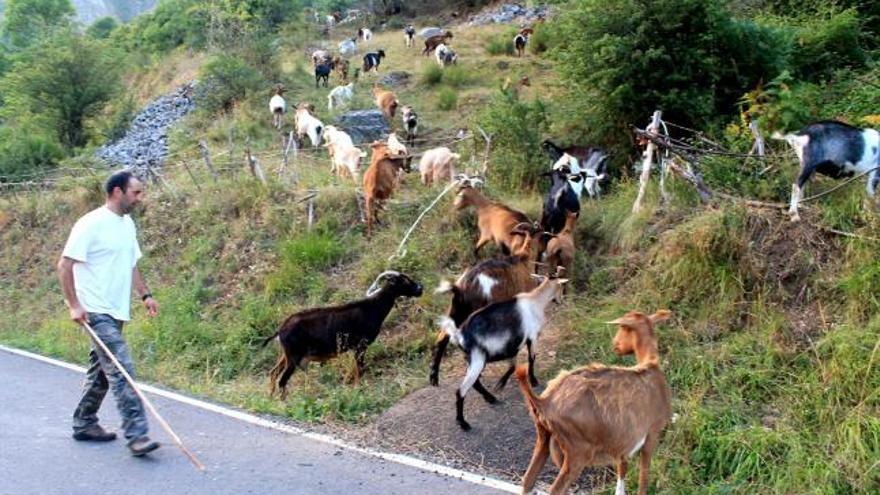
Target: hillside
771, 355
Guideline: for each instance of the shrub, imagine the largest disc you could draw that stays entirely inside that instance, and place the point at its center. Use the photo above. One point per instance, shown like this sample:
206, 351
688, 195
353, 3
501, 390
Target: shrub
25, 152
227, 79
118, 123
432, 75
500, 44
827, 42
102, 28
447, 99
540, 41
516, 128
456, 76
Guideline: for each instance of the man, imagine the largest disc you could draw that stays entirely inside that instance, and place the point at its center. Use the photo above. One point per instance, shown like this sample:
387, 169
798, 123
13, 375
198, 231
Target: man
97, 269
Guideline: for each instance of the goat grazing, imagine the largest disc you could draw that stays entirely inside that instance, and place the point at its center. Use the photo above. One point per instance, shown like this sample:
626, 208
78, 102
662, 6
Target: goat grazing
386, 101
372, 61
320, 334
410, 124
347, 48
408, 33
322, 71
339, 96
278, 107
496, 333
380, 180
432, 42
320, 57
599, 415
492, 280
494, 220
560, 249
438, 164
834, 149
365, 34
561, 199
307, 125
444, 55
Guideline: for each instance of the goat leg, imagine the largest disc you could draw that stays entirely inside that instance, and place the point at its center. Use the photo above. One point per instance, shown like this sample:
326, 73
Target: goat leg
532, 379
567, 475
506, 376
478, 386
645, 463
459, 411
621, 476
439, 349
539, 458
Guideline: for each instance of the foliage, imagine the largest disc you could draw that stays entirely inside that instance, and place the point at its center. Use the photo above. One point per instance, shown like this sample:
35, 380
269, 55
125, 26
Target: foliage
689, 58
447, 99
26, 21
25, 150
227, 79
432, 75
501, 44
517, 129
66, 79
120, 120
102, 28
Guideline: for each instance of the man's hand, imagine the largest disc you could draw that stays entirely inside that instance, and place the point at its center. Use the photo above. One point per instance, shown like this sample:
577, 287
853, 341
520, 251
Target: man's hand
152, 306
78, 314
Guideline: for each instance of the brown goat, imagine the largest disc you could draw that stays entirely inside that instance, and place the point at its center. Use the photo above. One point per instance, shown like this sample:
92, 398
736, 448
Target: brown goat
600, 415
341, 68
432, 42
560, 249
386, 101
496, 221
380, 179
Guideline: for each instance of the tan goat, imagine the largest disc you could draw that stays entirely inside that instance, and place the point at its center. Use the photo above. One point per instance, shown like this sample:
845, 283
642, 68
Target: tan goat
600, 415
380, 179
496, 221
386, 101
560, 249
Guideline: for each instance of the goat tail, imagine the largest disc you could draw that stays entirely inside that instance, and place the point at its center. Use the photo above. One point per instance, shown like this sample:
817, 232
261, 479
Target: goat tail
532, 401
447, 325
445, 287
269, 338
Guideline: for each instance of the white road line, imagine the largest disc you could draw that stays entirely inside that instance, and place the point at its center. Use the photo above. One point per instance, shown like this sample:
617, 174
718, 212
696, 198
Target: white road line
274, 425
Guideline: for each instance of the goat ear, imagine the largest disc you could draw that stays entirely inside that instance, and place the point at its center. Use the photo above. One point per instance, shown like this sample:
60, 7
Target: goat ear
561, 281
624, 321
660, 316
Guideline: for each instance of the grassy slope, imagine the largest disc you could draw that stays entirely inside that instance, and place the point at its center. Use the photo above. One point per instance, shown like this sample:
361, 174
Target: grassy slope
771, 355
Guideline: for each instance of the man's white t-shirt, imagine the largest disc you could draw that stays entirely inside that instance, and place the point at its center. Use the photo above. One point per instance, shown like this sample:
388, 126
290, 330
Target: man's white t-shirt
106, 248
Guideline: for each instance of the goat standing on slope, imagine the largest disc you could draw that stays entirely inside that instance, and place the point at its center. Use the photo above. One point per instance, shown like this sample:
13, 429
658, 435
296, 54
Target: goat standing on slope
340, 95
372, 61
278, 107
307, 125
410, 124
520, 41
408, 34
495, 220
320, 334
496, 333
836, 150
599, 415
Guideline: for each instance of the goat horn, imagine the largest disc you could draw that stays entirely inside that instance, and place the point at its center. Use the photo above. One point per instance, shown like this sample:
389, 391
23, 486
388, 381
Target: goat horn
374, 288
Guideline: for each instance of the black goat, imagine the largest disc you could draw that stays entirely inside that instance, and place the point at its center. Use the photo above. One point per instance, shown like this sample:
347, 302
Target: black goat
322, 71
372, 61
496, 333
320, 334
560, 200
834, 149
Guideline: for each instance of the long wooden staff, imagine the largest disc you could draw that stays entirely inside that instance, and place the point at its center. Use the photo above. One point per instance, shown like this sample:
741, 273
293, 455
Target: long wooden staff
130, 380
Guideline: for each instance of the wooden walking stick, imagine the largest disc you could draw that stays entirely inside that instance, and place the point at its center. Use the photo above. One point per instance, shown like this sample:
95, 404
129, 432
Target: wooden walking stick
130, 380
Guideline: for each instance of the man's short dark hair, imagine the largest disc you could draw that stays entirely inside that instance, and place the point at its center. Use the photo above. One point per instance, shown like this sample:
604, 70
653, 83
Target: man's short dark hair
119, 179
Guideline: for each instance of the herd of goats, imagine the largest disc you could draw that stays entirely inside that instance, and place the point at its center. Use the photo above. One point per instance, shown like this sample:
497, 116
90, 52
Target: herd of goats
592, 415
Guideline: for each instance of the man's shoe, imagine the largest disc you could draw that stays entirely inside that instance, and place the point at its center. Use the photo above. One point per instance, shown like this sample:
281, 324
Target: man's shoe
94, 433
142, 445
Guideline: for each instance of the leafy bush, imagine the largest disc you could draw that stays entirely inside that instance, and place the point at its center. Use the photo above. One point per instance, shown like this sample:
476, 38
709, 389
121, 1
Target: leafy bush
102, 28
500, 44
227, 79
24, 152
540, 41
118, 123
456, 76
432, 75
517, 130
447, 99
827, 42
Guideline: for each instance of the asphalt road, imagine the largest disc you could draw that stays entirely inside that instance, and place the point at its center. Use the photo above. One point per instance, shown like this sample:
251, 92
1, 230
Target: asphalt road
38, 455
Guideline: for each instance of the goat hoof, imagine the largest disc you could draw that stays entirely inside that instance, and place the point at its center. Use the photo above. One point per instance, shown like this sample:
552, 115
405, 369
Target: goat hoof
464, 425
434, 381
534, 382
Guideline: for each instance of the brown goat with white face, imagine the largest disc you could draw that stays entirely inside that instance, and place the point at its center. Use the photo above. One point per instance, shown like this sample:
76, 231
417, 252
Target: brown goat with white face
600, 415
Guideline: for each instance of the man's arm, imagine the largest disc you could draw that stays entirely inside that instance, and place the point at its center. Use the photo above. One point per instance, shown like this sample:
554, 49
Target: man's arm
65, 276
142, 290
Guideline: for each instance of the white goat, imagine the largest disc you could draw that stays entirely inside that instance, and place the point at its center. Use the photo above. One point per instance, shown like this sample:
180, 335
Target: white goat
444, 55
438, 164
278, 107
340, 95
348, 47
307, 124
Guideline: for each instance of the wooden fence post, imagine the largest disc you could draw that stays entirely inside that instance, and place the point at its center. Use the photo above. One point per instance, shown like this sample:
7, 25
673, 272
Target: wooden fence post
192, 176
206, 154
647, 161
253, 164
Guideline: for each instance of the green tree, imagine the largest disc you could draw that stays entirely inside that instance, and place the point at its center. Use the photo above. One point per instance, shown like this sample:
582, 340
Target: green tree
102, 28
65, 80
25, 21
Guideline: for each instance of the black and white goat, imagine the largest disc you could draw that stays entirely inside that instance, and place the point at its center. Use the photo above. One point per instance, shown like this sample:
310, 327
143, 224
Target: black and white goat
560, 199
492, 280
410, 124
834, 149
584, 175
372, 61
408, 33
320, 334
496, 333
